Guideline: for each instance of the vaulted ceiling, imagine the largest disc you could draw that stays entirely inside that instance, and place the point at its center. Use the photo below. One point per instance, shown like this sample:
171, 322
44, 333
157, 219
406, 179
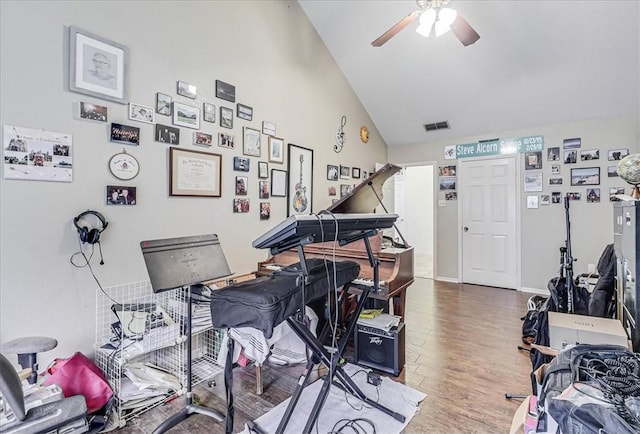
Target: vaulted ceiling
536, 63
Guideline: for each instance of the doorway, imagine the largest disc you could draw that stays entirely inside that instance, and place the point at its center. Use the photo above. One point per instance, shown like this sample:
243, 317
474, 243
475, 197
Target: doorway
413, 202
489, 242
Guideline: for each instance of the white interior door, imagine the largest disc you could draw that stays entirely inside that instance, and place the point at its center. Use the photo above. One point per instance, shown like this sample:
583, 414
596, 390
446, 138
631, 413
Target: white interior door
489, 222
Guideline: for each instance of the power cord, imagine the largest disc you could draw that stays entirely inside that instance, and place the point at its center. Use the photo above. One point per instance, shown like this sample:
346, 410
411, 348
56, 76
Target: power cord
87, 263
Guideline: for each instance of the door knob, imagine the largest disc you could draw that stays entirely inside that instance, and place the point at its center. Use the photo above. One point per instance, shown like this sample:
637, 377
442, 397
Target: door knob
466, 229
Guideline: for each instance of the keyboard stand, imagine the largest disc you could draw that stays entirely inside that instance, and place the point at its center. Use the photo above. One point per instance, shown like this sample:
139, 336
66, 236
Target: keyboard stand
321, 355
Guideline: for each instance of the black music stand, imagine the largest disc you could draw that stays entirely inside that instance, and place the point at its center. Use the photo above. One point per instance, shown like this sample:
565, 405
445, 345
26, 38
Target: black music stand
298, 231
185, 263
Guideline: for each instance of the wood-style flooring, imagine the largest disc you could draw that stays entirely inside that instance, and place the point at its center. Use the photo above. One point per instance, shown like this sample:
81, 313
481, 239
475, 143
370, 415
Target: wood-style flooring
461, 350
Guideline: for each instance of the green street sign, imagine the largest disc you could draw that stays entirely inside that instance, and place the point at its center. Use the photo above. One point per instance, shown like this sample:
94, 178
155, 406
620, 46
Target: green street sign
501, 147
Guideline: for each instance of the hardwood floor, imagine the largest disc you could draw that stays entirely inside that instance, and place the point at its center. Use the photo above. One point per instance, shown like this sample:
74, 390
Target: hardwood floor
461, 350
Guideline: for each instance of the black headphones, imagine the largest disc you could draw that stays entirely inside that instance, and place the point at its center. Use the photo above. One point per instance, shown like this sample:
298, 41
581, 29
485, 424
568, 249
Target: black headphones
87, 235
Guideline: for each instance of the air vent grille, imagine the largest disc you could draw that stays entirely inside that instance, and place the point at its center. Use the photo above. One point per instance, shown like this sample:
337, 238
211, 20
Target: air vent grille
444, 125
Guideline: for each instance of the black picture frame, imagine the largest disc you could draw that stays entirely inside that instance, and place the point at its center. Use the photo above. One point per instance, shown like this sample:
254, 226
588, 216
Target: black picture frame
241, 164
124, 134
186, 89
244, 112
226, 117
167, 134
278, 183
585, 176
355, 172
332, 172
225, 91
300, 185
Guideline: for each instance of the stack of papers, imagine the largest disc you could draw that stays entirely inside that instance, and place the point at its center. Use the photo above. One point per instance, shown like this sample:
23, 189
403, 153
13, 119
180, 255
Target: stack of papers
144, 384
384, 321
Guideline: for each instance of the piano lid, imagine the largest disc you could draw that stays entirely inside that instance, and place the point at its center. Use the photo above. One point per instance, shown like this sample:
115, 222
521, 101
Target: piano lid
364, 198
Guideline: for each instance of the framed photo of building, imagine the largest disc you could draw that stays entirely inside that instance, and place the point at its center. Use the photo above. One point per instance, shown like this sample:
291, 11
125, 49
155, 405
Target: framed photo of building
97, 66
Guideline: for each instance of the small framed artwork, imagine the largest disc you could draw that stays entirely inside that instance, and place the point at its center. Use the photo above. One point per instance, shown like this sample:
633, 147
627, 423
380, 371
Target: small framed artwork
264, 189
451, 195
93, 112
533, 181
345, 172
97, 66
186, 115
208, 112
573, 195
244, 112
263, 169
447, 182
268, 128
226, 117
332, 172
612, 171
545, 199
240, 205
585, 176
241, 185
226, 140
591, 154
167, 134
251, 142
278, 183
345, 189
447, 170
572, 143
194, 173
593, 195
265, 210
188, 90
276, 150
533, 160
241, 164
332, 191
555, 169
141, 113
555, 180
125, 134
121, 195
617, 154
556, 197
163, 104
532, 202
300, 188
570, 157
614, 192
355, 172
553, 154
225, 91
202, 139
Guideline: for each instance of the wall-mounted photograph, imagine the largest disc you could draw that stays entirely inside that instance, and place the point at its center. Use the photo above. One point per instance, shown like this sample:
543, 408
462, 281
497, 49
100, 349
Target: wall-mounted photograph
226, 117
244, 112
225, 91
533, 160
186, 115
276, 150
202, 139
585, 176
572, 143
121, 195
241, 185
167, 134
448, 170
251, 142
556, 197
345, 172
241, 164
573, 195
570, 157
265, 210
188, 90
355, 172
263, 169
533, 181
93, 112
163, 104
332, 191
555, 180
278, 183
208, 112
612, 171
613, 192
125, 134
141, 113
263, 189
555, 169
447, 182
332, 172
553, 154
617, 154
226, 140
240, 205
591, 154
593, 195
268, 128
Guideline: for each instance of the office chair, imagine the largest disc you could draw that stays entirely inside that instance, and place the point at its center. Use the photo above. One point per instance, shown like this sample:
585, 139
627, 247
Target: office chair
68, 414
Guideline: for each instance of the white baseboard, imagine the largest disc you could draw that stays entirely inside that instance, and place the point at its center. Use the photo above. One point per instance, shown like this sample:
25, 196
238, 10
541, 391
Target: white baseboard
535, 290
447, 279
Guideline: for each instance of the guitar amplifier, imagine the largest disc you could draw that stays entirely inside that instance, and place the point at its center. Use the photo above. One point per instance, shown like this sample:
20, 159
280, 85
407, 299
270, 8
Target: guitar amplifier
380, 349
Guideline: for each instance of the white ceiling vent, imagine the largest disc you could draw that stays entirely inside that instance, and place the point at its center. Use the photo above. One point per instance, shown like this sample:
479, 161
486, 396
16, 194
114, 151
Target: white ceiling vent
444, 125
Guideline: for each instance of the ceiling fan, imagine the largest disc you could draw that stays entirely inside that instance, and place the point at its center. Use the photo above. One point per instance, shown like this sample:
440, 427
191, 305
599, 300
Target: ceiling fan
433, 13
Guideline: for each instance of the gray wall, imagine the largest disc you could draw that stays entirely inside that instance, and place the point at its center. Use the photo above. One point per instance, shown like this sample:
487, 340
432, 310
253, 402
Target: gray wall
543, 229
279, 66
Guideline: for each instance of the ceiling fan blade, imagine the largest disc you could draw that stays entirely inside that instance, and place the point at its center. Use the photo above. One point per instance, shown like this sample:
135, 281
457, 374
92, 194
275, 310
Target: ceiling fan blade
396, 28
463, 31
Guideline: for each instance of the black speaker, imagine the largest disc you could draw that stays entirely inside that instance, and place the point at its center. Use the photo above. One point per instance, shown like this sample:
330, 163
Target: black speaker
380, 349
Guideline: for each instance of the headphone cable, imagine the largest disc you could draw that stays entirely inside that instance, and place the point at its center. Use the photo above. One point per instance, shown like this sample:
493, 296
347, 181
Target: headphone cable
88, 264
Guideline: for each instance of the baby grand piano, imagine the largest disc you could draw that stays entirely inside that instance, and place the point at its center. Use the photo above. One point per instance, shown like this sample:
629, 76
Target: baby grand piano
395, 263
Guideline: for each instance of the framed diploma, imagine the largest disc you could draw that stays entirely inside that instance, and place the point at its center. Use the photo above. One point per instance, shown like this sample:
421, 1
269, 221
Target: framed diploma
194, 173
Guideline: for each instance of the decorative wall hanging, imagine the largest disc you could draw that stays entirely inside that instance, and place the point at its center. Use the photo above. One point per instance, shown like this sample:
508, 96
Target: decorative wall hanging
251, 142
188, 90
244, 112
37, 155
226, 117
208, 112
97, 66
186, 115
341, 138
202, 139
278, 183
141, 113
585, 176
163, 104
125, 134
276, 150
268, 128
364, 134
124, 166
300, 161
121, 195
167, 134
93, 112
225, 91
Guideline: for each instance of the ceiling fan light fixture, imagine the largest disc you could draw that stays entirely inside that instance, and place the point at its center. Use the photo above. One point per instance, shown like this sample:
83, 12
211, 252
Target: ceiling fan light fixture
427, 18
446, 17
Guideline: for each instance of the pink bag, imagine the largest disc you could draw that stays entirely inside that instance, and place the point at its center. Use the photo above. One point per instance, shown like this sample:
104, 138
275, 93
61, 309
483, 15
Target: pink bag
78, 375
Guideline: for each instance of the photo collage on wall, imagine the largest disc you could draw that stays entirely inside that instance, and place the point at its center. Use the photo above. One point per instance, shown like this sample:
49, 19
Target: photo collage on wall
447, 179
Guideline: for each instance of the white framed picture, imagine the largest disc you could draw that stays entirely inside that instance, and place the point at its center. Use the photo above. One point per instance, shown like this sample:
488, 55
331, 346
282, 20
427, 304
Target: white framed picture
141, 113
186, 116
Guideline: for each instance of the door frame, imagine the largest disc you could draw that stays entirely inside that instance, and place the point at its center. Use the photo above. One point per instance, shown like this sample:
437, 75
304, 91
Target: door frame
434, 184
518, 185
